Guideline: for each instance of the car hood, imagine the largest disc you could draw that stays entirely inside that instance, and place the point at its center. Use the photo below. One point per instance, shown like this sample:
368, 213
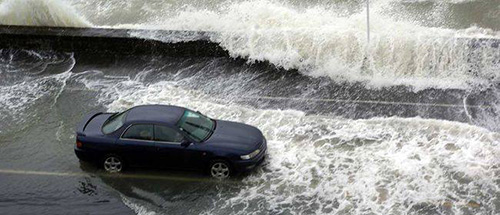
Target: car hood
236, 136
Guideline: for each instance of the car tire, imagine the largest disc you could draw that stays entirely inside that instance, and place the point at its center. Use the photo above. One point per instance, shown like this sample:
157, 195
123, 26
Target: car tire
220, 169
113, 163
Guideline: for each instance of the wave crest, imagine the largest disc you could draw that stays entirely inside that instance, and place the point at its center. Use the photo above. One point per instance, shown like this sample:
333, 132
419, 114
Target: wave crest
320, 42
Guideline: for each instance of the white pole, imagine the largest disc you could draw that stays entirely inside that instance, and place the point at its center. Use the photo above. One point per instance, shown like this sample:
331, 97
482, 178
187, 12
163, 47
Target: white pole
368, 21
365, 59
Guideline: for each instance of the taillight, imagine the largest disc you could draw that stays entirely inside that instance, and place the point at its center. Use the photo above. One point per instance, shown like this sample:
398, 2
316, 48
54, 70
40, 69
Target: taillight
79, 144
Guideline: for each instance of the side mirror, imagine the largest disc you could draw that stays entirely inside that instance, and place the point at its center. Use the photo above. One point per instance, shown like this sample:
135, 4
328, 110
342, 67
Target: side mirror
185, 143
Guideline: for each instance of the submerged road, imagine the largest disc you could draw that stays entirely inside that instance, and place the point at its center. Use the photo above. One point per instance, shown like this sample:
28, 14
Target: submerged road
333, 147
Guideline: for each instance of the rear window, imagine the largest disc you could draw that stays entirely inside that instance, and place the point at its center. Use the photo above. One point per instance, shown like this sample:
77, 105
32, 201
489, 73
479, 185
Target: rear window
114, 122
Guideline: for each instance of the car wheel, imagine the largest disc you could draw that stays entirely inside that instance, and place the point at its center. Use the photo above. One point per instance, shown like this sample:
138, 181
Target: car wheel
220, 169
113, 163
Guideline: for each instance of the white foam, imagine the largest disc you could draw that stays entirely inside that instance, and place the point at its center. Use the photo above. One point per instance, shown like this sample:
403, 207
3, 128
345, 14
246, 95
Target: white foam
321, 42
316, 40
16, 97
40, 13
138, 208
326, 164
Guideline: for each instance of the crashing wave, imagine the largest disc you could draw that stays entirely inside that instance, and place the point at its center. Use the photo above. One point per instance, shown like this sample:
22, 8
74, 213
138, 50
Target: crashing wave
40, 13
319, 42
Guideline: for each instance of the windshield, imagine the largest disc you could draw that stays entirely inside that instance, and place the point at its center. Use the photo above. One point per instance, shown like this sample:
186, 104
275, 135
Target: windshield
114, 122
197, 126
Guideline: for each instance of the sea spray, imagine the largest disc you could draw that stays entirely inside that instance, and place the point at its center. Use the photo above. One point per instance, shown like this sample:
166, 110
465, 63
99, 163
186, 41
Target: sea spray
40, 13
318, 42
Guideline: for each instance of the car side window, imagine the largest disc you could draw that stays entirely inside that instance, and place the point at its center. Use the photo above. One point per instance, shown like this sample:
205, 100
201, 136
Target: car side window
139, 132
166, 134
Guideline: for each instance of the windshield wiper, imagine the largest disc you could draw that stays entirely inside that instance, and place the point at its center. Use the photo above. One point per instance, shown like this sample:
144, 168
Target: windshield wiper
211, 131
190, 134
199, 126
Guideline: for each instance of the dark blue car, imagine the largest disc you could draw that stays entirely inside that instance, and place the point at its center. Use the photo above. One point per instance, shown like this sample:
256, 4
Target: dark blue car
169, 137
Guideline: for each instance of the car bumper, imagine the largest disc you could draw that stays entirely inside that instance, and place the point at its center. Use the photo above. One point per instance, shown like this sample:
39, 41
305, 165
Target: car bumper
84, 155
247, 165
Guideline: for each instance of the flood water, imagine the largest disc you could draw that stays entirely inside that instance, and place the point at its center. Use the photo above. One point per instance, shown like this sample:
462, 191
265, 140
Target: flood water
407, 124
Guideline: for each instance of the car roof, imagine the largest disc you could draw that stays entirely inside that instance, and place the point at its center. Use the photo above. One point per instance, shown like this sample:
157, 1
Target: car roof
163, 114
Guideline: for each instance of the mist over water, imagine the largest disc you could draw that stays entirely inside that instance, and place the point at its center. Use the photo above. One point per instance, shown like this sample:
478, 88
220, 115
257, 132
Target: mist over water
327, 41
422, 44
324, 158
40, 13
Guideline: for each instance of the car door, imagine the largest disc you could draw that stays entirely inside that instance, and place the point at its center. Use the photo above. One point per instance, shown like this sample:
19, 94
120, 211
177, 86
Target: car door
196, 157
172, 153
168, 144
137, 146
